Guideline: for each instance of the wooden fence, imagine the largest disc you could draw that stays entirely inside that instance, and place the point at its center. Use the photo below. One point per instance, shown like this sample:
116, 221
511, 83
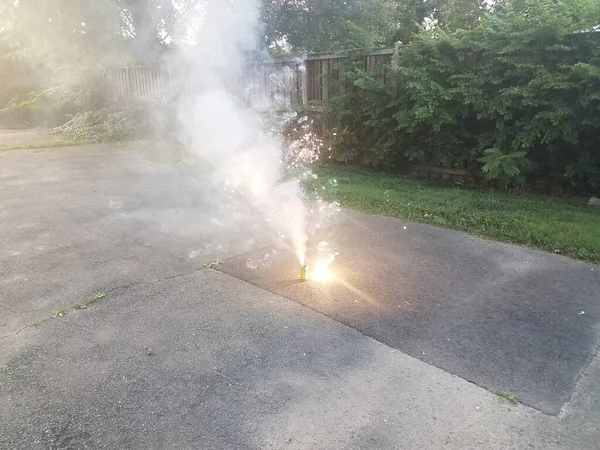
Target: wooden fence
323, 70
142, 82
278, 82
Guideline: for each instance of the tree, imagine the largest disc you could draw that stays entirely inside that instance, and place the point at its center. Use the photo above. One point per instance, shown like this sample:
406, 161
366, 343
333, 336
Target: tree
84, 33
462, 14
151, 26
326, 25
413, 15
517, 92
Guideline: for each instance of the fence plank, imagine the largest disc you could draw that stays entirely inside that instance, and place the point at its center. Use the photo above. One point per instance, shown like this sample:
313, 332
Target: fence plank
276, 83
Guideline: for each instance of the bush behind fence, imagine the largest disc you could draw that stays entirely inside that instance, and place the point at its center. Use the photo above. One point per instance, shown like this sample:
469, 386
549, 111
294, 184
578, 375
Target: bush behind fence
504, 101
515, 102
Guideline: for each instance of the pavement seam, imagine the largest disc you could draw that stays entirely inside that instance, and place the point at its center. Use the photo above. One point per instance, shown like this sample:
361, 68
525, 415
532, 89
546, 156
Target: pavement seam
518, 402
106, 292
16, 314
125, 287
564, 409
16, 332
158, 280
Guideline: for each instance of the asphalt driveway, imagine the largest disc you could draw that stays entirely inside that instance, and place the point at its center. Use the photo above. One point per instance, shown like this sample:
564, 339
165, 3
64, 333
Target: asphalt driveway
504, 317
150, 347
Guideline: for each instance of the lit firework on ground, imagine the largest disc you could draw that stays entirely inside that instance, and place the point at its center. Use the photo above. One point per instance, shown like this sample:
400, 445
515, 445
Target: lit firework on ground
321, 270
304, 151
294, 213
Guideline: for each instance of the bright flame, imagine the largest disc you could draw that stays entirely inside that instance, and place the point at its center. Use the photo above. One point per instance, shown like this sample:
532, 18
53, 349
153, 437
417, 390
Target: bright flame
322, 271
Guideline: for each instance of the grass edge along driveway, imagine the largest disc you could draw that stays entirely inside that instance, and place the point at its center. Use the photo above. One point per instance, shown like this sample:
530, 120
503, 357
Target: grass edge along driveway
566, 226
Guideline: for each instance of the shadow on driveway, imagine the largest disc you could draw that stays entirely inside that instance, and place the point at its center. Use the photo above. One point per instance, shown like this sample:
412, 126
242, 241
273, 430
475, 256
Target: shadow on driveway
504, 317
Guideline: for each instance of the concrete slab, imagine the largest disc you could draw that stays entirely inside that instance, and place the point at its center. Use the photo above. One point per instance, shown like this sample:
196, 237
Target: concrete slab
178, 356
81, 220
204, 361
504, 317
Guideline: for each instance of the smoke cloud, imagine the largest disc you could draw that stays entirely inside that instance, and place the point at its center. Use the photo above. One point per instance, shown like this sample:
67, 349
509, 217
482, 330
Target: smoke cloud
245, 162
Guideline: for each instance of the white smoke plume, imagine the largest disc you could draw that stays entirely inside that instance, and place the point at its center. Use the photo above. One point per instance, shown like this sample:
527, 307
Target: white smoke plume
246, 162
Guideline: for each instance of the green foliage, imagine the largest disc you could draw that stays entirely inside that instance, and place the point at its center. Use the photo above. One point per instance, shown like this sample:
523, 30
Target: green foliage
413, 14
120, 123
53, 106
319, 26
71, 34
44, 108
20, 108
506, 396
361, 119
462, 14
100, 126
505, 166
519, 93
559, 225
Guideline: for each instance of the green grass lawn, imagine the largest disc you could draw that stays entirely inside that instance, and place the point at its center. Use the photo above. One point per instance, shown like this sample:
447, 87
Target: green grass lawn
562, 225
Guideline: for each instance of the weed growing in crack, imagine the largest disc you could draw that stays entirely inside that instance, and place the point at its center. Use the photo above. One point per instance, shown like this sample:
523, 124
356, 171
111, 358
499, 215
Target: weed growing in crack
213, 264
95, 298
74, 307
60, 313
507, 396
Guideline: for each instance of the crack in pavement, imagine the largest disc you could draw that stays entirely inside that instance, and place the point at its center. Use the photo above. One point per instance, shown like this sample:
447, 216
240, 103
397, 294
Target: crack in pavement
15, 333
578, 379
468, 380
106, 292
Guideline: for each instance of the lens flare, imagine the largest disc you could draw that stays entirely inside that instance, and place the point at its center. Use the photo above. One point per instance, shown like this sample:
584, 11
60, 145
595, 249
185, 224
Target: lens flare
322, 272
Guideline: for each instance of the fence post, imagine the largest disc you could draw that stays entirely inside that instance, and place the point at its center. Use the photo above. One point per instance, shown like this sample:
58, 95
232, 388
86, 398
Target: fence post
302, 79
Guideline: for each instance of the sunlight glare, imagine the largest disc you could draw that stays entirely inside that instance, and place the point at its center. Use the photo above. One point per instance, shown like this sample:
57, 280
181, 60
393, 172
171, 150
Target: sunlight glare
322, 271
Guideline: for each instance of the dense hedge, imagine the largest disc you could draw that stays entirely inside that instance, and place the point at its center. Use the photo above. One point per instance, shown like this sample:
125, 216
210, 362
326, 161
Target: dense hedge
517, 95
